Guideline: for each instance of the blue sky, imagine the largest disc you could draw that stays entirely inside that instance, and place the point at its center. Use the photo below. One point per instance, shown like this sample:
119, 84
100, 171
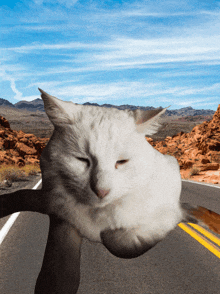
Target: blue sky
147, 53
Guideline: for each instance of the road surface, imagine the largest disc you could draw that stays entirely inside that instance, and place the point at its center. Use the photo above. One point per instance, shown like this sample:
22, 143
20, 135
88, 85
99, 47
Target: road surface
178, 264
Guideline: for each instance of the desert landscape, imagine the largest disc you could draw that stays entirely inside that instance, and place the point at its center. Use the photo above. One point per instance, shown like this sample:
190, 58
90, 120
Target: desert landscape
29, 116
194, 140
198, 152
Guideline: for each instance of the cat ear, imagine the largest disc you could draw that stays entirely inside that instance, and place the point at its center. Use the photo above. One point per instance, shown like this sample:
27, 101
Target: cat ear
149, 121
56, 109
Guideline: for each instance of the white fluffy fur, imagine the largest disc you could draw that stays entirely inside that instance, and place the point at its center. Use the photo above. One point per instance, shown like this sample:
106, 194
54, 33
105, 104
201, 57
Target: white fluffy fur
144, 191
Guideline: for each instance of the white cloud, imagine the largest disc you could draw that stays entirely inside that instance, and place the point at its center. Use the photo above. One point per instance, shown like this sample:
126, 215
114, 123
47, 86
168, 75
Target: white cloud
67, 3
151, 94
131, 53
103, 92
119, 54
38, 2
12, 79
18, 94
7, 77
41, 47
191, 102
201, 90
136, 52
132, 42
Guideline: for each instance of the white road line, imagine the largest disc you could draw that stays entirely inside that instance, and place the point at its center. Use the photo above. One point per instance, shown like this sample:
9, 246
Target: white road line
194, 182
37, 185
4, 231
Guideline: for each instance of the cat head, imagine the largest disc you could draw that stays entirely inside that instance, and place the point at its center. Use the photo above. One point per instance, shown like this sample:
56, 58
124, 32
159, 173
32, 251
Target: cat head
64, 113
97, 151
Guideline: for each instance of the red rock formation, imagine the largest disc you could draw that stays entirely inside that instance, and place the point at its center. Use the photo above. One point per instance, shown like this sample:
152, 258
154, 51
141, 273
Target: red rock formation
18, 148
4, 122
199, 149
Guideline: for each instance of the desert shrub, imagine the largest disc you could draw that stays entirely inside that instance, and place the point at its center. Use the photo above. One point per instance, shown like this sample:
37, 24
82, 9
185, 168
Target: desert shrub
31, 169
185, 177
194, 171
13, 173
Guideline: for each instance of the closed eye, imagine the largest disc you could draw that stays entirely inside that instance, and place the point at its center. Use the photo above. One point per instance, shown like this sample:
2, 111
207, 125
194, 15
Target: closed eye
120, 162
85, 160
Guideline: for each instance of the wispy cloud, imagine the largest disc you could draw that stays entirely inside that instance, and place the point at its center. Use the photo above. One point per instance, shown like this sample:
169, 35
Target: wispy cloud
7, 77
155, 93
130, 52
138, 51
67, 3
193, 102
59, 46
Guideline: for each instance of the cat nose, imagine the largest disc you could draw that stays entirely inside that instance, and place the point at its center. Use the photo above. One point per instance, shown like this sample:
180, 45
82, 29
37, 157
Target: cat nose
101, 193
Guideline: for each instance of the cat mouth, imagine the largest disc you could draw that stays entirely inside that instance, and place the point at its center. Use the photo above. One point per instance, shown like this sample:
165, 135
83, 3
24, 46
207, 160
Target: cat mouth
112, 200
124, 243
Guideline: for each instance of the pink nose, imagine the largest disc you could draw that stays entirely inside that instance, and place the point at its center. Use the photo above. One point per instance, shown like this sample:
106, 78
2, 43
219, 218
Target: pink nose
102, 193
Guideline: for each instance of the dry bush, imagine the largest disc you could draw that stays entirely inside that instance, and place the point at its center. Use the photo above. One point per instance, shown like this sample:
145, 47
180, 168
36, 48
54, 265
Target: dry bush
194, 171
31, 169
14, 174
185, 177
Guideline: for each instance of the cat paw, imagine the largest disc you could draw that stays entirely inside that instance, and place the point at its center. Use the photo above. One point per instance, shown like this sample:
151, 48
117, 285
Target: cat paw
124, 243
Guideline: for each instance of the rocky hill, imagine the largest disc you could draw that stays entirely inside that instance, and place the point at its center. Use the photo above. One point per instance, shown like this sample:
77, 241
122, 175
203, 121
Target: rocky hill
34, 105
121, 107
37, 104
4, 102
197, 151
182, 112
18, 148
189, 111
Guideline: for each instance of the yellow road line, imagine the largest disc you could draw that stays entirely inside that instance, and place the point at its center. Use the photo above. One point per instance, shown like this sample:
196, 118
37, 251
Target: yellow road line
209, 235
212, 248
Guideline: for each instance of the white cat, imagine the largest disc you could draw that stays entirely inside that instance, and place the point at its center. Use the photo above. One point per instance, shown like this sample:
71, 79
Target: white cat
102, 180
105, 179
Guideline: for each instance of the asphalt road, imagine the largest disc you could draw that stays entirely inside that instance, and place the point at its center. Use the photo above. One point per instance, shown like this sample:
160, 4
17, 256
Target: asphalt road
178, 264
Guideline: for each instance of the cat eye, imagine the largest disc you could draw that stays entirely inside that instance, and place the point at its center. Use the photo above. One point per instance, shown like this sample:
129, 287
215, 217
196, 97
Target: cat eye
120, 162
85, 160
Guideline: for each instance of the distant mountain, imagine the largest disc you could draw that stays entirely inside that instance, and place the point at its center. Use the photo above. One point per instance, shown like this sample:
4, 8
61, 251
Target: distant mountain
186, 111
4, 102
34, 105
189, 111
38, 104
121, 107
